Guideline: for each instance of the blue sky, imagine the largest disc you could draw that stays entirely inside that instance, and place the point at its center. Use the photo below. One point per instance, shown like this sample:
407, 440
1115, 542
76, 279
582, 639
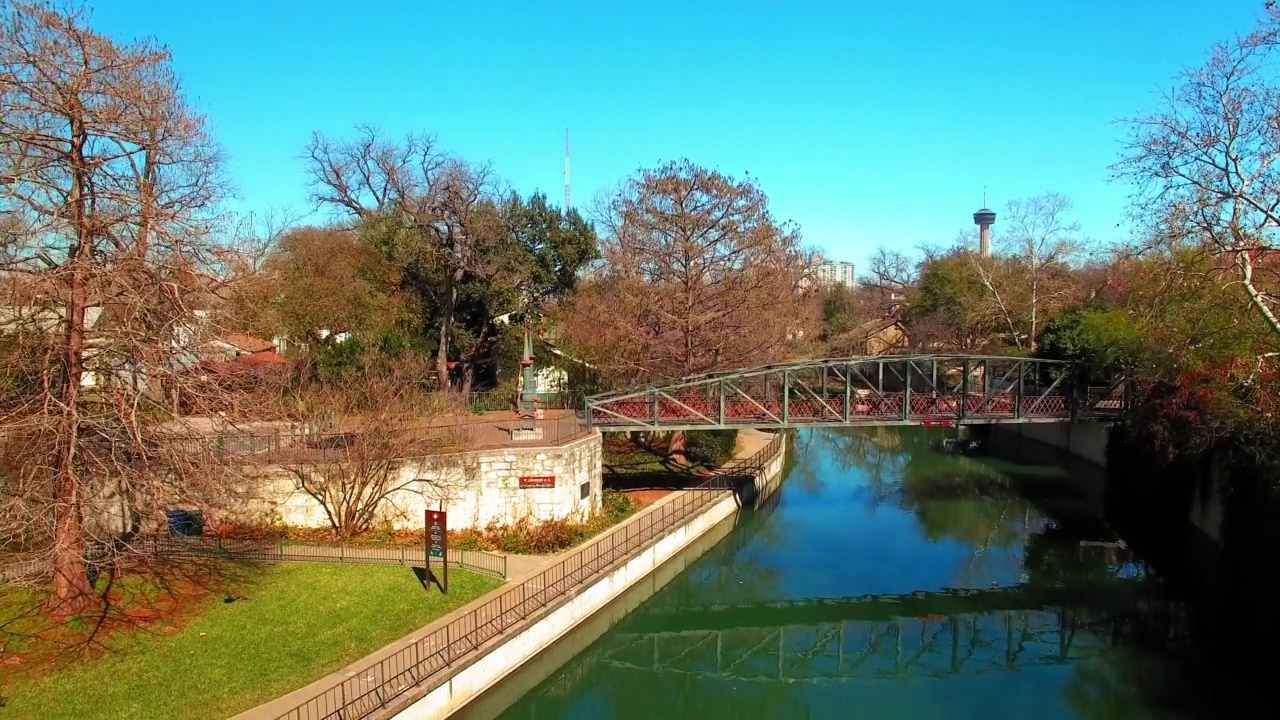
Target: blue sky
867, 123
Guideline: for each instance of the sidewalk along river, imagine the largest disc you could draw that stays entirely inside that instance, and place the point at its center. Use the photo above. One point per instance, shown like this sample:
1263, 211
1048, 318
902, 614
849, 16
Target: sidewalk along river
887, 579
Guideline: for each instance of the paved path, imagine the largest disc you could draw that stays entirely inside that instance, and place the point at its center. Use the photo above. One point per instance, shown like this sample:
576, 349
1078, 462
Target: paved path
519, 566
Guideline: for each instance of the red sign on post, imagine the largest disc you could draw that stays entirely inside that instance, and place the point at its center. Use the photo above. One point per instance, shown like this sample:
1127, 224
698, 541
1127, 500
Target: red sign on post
538, 481
438, 543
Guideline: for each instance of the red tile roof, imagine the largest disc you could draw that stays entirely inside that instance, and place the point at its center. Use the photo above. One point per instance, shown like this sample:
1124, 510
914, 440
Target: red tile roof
247, 343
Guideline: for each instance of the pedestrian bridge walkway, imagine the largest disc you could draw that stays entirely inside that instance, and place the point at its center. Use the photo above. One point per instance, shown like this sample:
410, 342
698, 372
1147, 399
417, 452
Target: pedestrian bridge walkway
882, 390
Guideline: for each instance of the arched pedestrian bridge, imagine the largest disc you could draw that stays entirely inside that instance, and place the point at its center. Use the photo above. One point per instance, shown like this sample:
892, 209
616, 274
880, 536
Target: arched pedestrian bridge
881, 390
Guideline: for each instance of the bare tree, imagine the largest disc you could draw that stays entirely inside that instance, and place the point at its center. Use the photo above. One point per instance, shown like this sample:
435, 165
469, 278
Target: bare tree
890, 277
433, 215
109, 180
698, 277
359, 473
1032, 278
1205, 162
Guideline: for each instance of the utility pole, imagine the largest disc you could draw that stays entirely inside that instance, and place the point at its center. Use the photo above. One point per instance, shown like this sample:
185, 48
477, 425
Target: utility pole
528, 383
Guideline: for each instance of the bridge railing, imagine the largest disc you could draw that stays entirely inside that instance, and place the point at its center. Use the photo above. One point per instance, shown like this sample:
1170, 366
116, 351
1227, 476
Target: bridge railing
882, 390
1105, 401
660, 408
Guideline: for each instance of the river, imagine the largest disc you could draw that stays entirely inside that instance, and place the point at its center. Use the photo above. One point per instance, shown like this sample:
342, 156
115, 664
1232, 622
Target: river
887, 579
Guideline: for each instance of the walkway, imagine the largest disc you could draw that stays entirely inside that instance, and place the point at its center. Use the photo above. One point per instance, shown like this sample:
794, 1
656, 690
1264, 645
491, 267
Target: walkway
521, 570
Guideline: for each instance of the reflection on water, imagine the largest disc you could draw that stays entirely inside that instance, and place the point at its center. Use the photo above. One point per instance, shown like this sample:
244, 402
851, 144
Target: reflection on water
887, 579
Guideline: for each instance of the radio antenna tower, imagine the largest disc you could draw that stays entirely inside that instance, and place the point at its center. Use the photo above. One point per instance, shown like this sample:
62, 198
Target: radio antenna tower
566, 169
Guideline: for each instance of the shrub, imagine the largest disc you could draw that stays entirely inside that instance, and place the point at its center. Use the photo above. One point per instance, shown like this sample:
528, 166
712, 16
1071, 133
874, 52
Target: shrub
617, 506
521, 538
710, 447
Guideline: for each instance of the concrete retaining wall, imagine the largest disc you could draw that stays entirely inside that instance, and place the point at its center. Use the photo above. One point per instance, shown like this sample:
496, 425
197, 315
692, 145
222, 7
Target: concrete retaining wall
475, 488
480, 675
1085, 440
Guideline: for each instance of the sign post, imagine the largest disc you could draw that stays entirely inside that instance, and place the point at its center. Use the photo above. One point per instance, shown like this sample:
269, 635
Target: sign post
438, 543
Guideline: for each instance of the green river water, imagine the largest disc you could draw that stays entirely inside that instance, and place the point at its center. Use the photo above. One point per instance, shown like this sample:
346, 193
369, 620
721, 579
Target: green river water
887, 579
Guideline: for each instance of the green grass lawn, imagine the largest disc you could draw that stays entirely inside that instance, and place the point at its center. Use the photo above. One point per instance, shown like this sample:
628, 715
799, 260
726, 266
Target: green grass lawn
291, 624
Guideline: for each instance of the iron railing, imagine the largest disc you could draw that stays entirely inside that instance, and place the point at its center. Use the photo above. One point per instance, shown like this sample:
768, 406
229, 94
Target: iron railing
465, 435
508, 399
260, 550
425, 663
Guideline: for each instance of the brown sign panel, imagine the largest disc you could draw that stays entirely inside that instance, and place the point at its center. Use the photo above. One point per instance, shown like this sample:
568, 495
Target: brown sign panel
437, 532
438, 542
538, 481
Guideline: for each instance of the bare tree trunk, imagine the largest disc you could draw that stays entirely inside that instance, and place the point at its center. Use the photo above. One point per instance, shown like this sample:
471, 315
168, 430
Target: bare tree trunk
72, 592
469, 367
676, 447
1245, 263
452, 279
1035, 306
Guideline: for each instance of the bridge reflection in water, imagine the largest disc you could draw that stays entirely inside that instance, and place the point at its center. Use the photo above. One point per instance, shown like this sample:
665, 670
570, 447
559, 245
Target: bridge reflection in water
1022, 611
932, 645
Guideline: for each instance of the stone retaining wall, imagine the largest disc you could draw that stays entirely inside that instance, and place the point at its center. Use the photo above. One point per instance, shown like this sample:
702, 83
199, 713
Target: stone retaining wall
474, 488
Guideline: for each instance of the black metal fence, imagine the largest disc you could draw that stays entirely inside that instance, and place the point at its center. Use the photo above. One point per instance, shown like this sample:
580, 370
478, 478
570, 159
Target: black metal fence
260, 550
509, 399
284, 551
466, 435
424, 664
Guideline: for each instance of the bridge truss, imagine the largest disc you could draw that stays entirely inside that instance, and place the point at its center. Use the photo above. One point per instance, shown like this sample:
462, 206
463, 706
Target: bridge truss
881, 390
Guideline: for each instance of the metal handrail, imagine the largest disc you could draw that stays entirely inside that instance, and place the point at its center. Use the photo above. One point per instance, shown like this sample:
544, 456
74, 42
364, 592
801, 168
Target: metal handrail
278, 447
425, 663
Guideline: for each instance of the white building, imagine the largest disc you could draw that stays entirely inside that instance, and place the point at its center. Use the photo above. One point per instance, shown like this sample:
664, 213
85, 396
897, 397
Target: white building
830, 272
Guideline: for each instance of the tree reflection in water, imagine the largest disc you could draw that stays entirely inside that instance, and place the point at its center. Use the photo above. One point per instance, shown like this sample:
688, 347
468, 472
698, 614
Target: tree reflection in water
1075, 628
954, 498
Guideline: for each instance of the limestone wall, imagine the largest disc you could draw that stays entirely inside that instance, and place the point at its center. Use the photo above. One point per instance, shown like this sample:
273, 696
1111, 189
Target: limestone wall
474, 488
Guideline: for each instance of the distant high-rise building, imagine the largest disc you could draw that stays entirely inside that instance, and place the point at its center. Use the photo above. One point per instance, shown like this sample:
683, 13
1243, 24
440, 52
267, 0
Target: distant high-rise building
830, 272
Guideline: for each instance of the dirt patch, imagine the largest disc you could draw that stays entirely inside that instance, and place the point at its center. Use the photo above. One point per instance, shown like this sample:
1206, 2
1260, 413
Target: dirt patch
644, 498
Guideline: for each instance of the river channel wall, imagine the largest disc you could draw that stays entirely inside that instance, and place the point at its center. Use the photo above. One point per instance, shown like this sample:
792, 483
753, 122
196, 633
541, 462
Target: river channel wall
502, 695
577, 607
1085, 440
1208, 522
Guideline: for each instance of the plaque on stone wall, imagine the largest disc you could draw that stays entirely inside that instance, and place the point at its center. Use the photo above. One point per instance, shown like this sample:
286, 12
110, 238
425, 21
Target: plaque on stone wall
538, 481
